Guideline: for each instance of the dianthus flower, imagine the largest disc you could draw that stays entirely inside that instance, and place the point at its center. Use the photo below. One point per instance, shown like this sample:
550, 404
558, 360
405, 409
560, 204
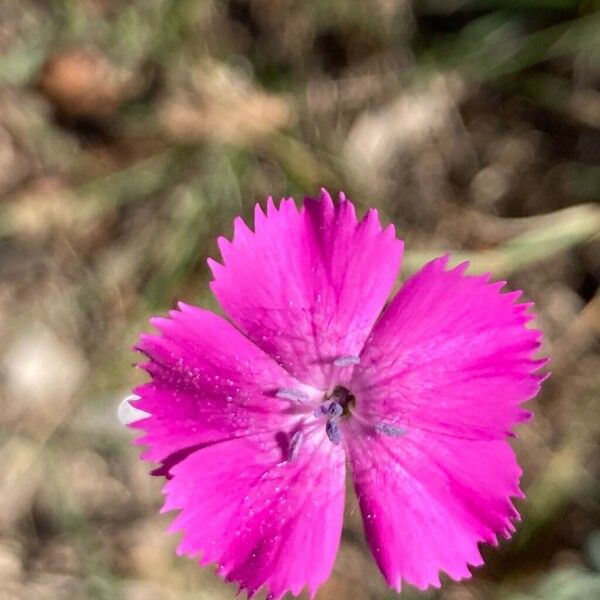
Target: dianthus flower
255, 419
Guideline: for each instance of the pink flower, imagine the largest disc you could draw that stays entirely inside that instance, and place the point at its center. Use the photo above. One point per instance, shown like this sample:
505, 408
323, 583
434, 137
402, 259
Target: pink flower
255, 420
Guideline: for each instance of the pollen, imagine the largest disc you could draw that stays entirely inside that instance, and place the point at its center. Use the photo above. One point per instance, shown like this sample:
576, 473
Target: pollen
346, 361
292, 394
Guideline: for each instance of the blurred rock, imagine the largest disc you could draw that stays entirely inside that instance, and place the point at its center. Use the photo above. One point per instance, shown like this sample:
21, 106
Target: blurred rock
42, 372
51, 586
27, 116
14, 167
95, 491
224, 107
142, 590
83, 83
59, 556
11, 567
515, 151
561, 305
150, 550
489, 186
20, 480
379, 138
459, 592
40, 206
572, 583
9, 590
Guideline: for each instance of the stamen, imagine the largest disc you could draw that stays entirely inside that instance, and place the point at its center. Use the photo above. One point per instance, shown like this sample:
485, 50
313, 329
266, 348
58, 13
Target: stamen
330, 409
295, 445
346, 361
390, 430
333, 431
335, 409
292, 394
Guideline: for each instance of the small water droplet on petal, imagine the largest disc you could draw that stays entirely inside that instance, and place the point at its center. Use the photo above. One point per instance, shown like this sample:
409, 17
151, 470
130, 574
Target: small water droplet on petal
127, 413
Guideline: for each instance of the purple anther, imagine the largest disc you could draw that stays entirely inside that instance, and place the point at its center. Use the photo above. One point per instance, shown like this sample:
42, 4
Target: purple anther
321, 411
335, 409
333, 431
291, 394
330, 408
346, 361
295, 445
390, 430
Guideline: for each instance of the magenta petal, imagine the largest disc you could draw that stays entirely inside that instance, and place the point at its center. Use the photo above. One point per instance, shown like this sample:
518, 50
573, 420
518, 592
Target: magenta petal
263, 521
308, 285
450, 355
209, 383
427, 501
448, 364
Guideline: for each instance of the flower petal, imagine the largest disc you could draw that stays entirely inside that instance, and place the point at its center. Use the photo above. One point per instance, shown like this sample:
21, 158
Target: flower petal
449, 355
264, 521
427, 501
209, 383
308, 285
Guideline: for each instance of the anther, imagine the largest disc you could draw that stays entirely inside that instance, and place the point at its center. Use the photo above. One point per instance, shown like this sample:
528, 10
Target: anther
390, 430
333, 431
346, 361
335, 410
329, 409
295, 445
291, 394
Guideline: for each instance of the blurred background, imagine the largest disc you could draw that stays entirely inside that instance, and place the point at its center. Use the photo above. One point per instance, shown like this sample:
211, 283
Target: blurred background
132, 132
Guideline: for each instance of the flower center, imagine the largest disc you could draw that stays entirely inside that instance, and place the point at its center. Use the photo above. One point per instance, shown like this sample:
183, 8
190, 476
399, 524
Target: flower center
335, 405
338, 404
